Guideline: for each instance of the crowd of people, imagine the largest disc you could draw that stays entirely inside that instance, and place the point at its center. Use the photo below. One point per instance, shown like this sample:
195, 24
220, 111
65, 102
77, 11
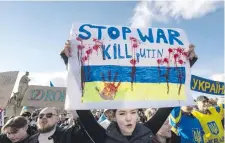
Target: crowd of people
200, 124
164, 125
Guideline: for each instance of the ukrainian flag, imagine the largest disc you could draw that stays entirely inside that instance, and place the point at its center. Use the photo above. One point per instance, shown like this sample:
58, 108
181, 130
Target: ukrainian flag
146, 83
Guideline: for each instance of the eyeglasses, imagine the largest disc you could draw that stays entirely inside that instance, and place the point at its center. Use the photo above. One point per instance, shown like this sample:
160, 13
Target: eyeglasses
48, 115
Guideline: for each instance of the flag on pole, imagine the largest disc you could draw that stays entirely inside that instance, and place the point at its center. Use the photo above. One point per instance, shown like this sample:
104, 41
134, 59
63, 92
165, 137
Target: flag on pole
51, 84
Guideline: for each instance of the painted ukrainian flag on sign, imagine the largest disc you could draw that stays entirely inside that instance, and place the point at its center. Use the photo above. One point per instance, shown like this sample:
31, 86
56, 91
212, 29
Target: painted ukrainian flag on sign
130, 64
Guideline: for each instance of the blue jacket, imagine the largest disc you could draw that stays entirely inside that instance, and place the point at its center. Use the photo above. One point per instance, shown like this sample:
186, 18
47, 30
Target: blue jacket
186, 126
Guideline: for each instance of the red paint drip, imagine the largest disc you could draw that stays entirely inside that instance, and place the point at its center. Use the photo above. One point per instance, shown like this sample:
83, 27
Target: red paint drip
180, 61
134, 45
175, 58
185, 54
166, 60
89, 51
179, 50
84, 58
80, 47
133, 62
97, 45
159, 61
79, 39
133, 39
170, 50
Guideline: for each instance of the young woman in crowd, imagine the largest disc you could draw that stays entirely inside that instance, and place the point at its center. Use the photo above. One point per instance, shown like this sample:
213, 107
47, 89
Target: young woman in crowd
124, 129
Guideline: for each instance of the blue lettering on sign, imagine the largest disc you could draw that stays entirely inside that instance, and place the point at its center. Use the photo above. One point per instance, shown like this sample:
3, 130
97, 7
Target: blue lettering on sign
207, 86
161, 35
49, 95
148, 37
173, 36
125, 30
122, 52
115, 33
105, 52
83, 30
99, 30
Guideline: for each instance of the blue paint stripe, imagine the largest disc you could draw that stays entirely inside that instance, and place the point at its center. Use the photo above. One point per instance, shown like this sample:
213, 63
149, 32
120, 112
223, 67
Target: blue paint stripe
143, 74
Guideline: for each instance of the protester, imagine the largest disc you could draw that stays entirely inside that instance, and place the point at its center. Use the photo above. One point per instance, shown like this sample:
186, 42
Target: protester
97, 115
15, 131
210, 118
49, 132
187, 128
109, 118
202, 125
142, 116
150, 112
27, 115
221, 102
164, 133
62, 120
125, 128
102, 118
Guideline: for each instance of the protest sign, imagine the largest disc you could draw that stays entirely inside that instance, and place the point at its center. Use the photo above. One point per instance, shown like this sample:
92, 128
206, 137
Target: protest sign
44, 96
122, 67
207, 86
7, 83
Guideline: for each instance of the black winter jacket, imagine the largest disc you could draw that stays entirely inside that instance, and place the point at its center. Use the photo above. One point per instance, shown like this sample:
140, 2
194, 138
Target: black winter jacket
65, 135
141, 134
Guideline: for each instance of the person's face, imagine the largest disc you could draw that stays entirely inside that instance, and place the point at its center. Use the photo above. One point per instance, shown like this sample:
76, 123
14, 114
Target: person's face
109, 114
16, 135
126, 120
47, 120
34, 118
97, 114
62, 117
187, 109
203, 105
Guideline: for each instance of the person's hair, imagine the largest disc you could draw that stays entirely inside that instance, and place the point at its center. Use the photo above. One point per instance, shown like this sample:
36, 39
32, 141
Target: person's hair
56, 110
26, 114
15, 123
34, 114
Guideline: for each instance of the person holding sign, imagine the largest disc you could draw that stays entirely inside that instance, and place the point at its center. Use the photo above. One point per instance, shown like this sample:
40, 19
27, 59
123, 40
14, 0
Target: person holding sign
125, 127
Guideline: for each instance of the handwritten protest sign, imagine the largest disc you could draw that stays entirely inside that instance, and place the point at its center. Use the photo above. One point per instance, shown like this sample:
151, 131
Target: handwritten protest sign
121, 67
44, 96
207, 86
7, 82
